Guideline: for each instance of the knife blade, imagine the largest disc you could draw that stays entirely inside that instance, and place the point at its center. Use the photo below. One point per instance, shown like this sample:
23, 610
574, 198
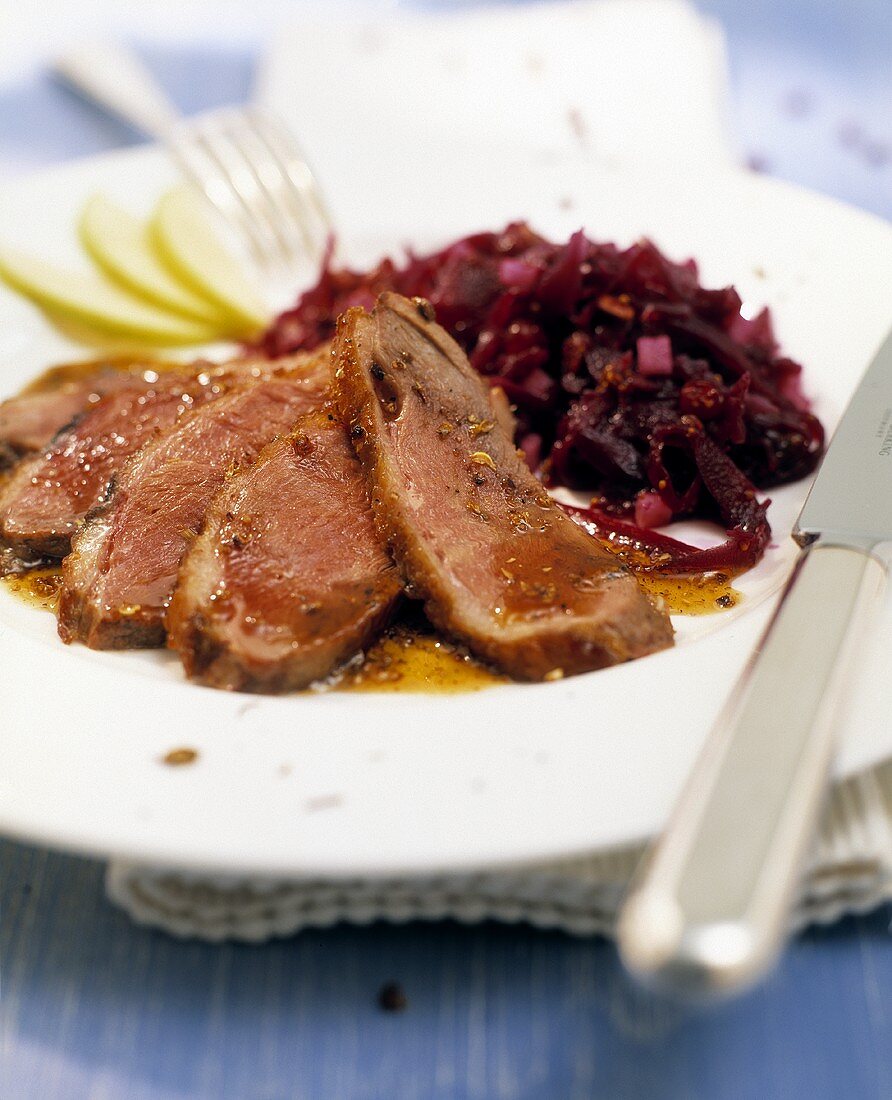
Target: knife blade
851, 498
708, 910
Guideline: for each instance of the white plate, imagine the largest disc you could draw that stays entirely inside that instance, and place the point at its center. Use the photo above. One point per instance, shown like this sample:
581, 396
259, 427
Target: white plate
351, 784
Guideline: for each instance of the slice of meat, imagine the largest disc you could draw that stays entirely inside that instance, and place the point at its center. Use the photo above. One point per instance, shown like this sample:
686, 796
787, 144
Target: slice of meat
123, 564
288, 578
496, 561
47, 496
30, 420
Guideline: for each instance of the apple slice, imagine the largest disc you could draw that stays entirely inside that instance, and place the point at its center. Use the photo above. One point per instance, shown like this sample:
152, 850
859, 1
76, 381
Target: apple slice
87, 299
119, 244
185, 240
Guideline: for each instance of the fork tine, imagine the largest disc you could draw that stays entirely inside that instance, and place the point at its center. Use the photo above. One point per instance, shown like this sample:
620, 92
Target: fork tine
288, 227
212, 136
251, 169
300, 190
292, 212
204, 172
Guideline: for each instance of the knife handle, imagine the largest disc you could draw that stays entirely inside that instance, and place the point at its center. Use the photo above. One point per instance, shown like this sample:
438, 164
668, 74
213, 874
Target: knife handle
708, 910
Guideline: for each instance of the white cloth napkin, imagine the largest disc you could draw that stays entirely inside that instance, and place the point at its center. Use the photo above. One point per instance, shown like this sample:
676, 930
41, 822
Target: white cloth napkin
617, 82
625, 80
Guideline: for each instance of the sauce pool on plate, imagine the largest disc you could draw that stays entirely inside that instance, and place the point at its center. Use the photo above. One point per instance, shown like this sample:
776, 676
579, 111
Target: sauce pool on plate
409, 658
40, 587
696, 594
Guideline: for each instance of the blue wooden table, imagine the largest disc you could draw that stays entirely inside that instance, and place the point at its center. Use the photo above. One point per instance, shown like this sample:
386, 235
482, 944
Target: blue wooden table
93, 1007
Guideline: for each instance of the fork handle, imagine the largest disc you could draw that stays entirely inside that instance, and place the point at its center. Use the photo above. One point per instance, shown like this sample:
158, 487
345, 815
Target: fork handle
709, 910
114, 79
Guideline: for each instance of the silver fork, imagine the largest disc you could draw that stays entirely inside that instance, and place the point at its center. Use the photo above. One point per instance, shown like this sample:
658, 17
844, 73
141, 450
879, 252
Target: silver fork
243, 159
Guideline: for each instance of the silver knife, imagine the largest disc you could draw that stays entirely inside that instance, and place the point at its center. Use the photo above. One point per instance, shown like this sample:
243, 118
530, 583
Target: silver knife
708, 910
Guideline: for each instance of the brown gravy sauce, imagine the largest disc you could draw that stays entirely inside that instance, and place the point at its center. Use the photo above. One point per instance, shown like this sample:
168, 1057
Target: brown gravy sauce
39, 588
409, 656
678, 593
700, 594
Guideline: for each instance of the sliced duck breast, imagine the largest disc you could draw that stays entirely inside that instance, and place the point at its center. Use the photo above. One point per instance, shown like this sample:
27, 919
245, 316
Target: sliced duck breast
288, 578
47, 496
120, 574
496, 561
